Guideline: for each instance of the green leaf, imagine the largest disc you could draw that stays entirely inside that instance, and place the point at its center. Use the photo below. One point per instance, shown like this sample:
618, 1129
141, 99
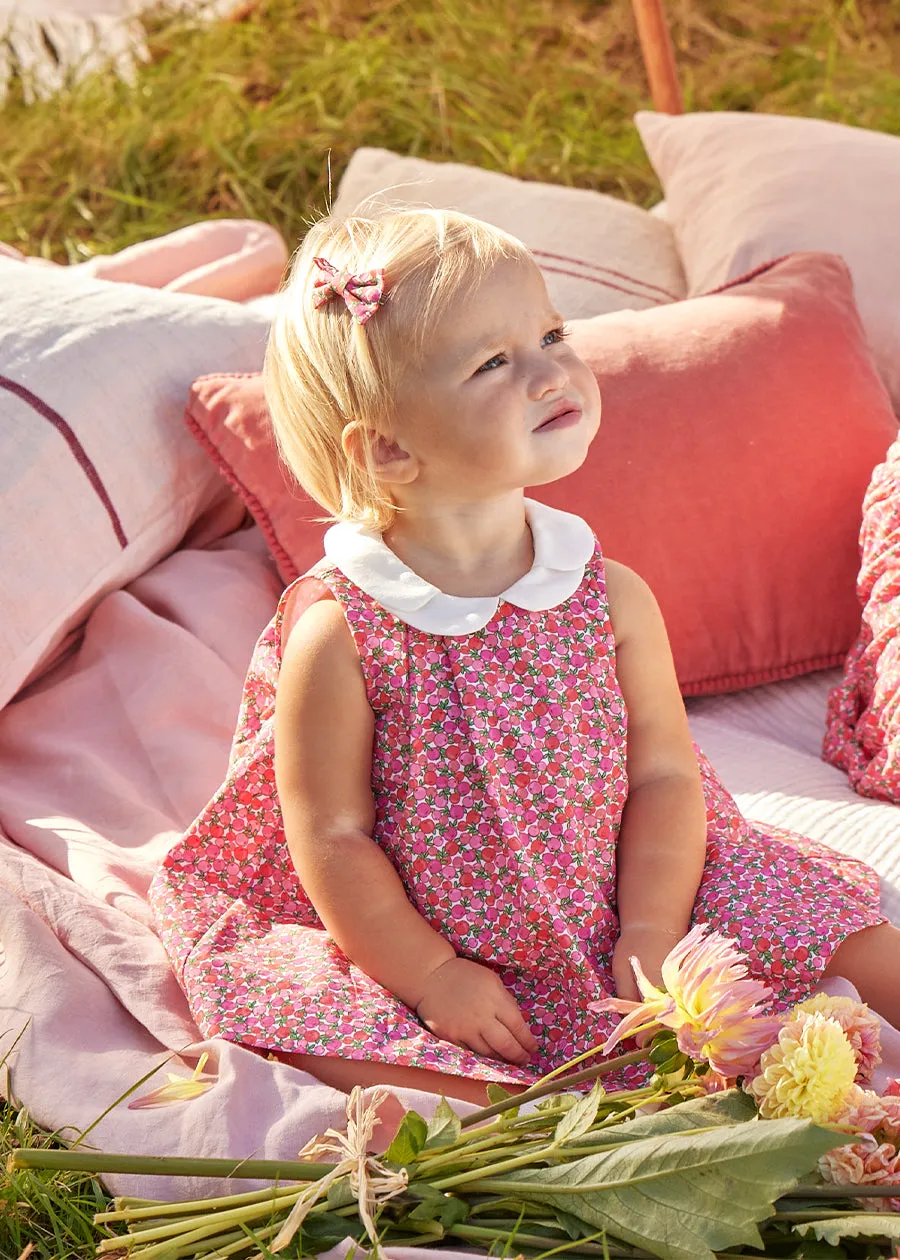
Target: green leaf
329, 1228
446, 1209
681, 1197
662, 1048
497, 1094
728, 1108
443, 1127
340, 1193
409, 1140
572, 1225
578, 1119
673, 1064
853, 1225
556, 1102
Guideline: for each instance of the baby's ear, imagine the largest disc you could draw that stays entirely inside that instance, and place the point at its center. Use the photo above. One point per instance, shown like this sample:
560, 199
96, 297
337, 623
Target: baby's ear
375, 452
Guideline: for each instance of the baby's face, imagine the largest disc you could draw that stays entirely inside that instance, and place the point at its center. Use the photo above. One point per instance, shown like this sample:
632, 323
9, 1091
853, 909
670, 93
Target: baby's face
501, 402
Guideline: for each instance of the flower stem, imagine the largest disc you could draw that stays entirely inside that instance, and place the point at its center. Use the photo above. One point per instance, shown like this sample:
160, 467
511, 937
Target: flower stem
506, 1165
889, 1190
808, 1214
238, 1241
199, 1227
168, 1165
515, 1238
271, 1193
555, 1086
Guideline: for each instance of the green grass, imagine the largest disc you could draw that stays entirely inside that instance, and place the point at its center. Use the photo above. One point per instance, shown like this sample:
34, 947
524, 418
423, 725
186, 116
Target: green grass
53, 1212
238, 119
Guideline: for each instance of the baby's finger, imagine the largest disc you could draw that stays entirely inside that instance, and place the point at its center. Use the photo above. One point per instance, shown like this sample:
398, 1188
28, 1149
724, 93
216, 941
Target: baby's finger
504, 1044
512, 1018
478, 1045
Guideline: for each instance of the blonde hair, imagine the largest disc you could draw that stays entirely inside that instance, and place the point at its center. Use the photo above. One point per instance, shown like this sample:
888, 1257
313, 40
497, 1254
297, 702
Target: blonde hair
325, 372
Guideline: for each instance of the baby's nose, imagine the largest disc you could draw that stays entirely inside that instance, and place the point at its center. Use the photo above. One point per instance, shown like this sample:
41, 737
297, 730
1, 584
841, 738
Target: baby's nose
548, 377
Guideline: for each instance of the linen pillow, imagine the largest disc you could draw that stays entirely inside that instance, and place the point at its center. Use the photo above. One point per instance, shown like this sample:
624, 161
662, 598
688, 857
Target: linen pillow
739, 432
743, 188
597, 253
99, 478
862, 733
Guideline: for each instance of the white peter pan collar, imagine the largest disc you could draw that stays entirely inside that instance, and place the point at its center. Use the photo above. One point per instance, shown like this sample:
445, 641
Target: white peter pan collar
563, 544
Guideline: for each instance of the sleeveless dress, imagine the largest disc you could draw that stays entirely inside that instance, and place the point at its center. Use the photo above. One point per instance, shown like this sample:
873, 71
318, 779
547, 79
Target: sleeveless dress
499, 779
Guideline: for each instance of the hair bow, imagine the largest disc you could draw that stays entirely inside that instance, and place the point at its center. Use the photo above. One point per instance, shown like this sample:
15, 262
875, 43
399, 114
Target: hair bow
362, 292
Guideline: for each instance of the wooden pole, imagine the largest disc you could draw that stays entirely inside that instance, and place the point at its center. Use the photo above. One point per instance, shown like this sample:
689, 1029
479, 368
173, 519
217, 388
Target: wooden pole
659, 56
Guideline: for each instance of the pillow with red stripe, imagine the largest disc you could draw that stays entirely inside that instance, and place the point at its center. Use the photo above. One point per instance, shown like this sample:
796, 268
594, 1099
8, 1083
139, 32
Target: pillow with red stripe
597, 253
99, 478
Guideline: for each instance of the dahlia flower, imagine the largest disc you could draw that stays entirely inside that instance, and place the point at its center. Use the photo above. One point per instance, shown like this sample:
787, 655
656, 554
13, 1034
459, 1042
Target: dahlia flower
808, 1073
707, 1000
867, 1113
863, 1165
862, 1026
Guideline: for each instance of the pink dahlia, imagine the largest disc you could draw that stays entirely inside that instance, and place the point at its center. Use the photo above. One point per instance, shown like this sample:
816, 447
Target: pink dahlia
715, 1011
865, 1112
863, 1165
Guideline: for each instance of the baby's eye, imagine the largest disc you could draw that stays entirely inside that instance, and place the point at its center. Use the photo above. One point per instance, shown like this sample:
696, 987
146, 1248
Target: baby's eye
553, 337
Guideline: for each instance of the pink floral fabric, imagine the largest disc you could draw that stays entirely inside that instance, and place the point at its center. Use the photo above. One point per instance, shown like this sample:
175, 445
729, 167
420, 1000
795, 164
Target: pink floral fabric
863, 724
499, 780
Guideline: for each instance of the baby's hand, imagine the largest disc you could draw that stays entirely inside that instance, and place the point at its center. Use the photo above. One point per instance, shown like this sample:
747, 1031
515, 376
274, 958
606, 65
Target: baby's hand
649, 945
468, 1004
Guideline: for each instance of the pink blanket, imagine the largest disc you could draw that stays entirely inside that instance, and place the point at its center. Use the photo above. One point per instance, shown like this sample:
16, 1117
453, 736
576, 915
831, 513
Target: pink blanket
103, 762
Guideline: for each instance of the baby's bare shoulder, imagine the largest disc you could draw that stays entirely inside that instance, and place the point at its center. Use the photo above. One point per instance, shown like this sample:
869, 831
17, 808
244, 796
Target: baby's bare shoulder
320, 656
630, 599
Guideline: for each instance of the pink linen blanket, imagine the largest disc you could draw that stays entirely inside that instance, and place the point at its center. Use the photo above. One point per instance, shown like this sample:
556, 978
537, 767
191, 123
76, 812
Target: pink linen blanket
103, 762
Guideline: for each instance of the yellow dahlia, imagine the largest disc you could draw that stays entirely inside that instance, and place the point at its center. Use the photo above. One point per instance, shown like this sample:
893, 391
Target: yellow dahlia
808, 1074
862, 1026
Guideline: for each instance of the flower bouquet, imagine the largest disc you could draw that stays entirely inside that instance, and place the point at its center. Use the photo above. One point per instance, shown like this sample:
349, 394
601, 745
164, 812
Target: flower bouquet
753, 1134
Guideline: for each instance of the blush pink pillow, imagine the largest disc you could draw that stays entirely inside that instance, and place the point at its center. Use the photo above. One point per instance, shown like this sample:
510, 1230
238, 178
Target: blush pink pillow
739, 433
744, 187
863, 724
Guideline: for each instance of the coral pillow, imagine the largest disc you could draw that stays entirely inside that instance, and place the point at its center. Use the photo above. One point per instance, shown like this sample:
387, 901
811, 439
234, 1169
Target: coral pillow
739, 433
863, 724
743, 188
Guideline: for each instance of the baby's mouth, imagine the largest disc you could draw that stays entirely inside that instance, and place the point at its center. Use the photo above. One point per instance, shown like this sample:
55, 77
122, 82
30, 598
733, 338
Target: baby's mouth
565, 415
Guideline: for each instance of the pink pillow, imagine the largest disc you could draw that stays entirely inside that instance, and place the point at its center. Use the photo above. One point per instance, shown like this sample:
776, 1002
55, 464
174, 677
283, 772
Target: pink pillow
99, 478
863, 724
742, 188
739, 433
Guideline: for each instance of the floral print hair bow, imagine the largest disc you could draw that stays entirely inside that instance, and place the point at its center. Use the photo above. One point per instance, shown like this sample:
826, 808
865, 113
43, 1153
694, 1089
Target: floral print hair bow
363, 292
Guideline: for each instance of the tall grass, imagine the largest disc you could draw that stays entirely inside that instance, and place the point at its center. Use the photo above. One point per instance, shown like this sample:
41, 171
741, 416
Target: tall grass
237, 118
43, 1215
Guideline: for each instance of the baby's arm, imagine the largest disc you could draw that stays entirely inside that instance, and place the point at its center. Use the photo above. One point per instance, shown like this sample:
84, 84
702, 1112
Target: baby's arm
323, 761
662, 841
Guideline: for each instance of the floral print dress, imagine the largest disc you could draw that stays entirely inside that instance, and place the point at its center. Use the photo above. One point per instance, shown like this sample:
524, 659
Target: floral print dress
499, 779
